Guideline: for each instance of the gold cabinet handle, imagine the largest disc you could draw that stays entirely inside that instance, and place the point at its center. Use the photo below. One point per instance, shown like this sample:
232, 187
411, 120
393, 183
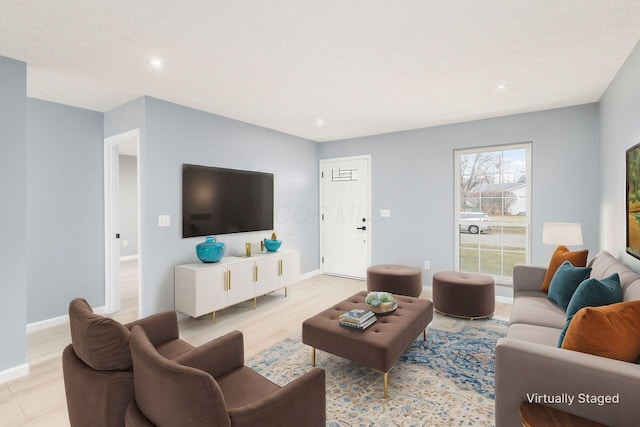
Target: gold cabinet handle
226, 281
280, 268
229, 279
255, 273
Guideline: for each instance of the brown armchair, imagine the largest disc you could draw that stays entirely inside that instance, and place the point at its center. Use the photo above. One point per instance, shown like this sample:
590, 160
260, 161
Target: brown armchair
211, 386
97, 367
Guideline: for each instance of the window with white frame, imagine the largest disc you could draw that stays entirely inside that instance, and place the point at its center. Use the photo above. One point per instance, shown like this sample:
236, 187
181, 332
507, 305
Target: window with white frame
493, 201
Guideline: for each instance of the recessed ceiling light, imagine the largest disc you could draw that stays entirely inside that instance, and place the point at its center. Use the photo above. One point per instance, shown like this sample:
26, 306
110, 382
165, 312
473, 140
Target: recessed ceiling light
156, 62
319, 122
501, 86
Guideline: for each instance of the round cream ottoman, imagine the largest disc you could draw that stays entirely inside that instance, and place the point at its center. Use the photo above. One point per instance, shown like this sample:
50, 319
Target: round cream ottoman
463, 294
396, 279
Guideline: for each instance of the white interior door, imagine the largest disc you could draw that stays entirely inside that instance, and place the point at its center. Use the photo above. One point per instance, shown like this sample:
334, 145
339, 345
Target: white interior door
112, 225
346, 216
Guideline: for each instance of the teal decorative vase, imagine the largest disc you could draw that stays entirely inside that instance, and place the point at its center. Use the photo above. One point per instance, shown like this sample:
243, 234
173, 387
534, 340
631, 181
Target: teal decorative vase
210, 250
272, 245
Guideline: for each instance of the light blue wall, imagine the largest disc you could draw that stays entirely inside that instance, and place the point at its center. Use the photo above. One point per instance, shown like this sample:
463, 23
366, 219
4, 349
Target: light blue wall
13, 182
413, 176
125, 118
175, 135
619, 130
65, 214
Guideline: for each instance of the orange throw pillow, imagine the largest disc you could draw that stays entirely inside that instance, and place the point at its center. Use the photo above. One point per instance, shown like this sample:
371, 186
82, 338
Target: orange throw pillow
560, 255
611, 331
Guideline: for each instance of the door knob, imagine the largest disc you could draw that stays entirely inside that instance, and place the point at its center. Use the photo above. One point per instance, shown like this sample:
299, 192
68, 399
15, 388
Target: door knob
364, 227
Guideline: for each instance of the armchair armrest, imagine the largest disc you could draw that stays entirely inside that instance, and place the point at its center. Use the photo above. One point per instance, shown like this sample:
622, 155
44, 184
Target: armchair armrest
160, 328
526, 371
527, 277
218, 356
302, 402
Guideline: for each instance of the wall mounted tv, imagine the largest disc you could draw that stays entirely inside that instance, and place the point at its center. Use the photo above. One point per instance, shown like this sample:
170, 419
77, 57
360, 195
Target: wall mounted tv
222, 201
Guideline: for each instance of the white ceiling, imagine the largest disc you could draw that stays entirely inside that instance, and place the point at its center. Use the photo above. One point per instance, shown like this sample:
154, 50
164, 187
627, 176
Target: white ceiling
363, 67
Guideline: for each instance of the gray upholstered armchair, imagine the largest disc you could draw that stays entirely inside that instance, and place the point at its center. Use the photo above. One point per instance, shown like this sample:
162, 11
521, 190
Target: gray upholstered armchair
98, 376
211, 386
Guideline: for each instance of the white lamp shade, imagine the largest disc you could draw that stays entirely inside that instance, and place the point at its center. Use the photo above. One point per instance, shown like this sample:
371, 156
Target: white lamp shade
562, 233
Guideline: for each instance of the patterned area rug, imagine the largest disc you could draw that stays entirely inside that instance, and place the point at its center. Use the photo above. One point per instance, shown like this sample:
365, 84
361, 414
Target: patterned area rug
446, 381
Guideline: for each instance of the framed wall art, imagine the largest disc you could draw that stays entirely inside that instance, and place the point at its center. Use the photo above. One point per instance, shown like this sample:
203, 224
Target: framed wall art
633, 201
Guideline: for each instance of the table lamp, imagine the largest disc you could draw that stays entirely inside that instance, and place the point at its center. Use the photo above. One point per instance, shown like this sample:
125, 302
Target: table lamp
562, 233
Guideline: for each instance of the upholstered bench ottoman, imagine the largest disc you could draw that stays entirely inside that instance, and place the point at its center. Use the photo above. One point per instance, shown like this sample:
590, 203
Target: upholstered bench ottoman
463, 294
396, 279
381, 344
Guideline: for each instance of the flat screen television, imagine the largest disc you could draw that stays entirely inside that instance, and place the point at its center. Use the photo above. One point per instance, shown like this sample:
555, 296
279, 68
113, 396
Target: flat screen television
222, 201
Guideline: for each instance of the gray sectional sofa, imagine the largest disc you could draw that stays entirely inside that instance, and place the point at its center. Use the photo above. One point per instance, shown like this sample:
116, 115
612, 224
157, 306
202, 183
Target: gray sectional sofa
530, 366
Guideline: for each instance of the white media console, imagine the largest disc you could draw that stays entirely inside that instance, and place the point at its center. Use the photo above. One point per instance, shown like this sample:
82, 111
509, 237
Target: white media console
202, 288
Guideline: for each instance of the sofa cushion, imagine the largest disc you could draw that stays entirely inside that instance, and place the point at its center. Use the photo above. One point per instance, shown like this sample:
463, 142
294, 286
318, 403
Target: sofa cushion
604, 264
162, 386
560, 255
542, 335
534, 308
100, 342
244, 386
611, 331
565, 282
592, 293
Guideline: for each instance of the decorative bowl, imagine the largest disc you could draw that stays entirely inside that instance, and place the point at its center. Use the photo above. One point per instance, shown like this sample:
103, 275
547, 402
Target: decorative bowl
385, 307
380, 302
272, 245
210, 250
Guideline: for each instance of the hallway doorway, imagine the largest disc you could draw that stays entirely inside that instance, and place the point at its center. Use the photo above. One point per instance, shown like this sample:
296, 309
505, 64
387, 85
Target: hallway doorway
122, 217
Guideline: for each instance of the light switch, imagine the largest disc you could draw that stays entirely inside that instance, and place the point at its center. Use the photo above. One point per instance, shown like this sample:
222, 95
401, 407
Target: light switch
164, 220
385, 213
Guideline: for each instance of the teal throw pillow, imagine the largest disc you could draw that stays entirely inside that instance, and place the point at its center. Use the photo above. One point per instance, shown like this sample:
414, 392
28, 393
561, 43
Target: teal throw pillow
565, 282
592, 293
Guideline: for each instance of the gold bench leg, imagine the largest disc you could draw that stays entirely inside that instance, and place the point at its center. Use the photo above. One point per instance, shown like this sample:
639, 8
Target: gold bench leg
214, 317
313, 356
386, 385
254, 303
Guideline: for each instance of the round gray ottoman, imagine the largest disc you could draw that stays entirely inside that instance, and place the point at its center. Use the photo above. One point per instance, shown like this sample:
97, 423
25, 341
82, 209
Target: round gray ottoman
397, 279
463, 294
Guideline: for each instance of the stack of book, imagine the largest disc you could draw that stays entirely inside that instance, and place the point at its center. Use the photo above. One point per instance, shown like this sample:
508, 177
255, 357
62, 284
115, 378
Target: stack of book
358, 319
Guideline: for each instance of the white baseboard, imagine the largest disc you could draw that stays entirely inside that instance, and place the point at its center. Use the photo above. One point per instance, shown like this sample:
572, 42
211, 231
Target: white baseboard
55, 321
310, 274
44, 324
13, 373
128, 258
506, 300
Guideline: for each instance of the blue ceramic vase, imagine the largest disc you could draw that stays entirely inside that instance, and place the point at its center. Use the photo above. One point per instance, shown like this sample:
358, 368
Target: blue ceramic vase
210, 250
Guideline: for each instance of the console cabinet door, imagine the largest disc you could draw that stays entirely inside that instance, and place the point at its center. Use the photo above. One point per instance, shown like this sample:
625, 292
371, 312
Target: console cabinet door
289, 268
267, 277
211, 289
240, 282
200, 290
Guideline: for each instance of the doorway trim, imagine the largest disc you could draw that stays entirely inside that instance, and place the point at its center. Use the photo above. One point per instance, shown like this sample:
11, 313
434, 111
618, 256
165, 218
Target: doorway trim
322, 162
111, 220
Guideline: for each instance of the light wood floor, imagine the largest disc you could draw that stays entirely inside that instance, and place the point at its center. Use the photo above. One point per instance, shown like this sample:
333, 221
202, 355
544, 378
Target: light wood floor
38, 399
